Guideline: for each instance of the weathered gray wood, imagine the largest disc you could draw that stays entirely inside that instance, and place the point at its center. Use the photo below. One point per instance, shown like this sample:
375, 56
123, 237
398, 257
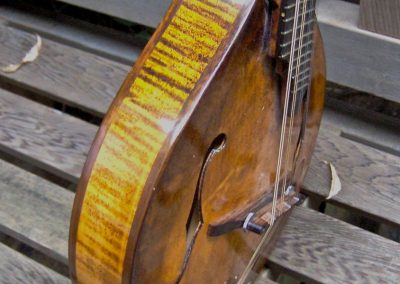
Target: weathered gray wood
145, 12
380, 16
356, 58
35, 211
15, 268
371, 66
67, 74
321, 249
368, 129
370, 178
118, 46
60, 143
43, 136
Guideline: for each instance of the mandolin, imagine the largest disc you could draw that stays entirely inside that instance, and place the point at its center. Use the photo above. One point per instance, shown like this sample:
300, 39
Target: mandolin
202, 153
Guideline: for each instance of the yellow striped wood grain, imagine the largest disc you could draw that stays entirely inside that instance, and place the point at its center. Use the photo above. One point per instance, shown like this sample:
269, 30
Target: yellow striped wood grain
139, 128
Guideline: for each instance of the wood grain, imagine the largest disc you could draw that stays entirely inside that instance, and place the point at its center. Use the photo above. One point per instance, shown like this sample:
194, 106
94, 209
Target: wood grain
18, 269
380, 16
109, 43
43, 136
377, 179
320, 249
372, 66
170, 72
35, 211
63, 73
338, 19
370, 178
145, 12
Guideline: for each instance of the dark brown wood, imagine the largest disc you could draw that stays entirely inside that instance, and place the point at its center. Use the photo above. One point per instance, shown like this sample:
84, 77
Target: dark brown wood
321, 249
236, 177
318, 181
321, 174
380, 16
17, 268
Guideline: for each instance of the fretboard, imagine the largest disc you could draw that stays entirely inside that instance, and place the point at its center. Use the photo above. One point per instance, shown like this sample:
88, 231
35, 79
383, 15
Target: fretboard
301, 36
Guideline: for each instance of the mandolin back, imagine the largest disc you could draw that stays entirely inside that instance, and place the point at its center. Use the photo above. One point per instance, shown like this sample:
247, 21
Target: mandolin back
189, 147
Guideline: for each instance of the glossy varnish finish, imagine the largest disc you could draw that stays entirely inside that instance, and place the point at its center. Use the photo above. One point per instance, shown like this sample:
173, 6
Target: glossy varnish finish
137, 127
205, 76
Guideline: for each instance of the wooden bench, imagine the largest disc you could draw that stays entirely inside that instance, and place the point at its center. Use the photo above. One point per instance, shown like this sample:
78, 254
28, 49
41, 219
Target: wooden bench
48, 112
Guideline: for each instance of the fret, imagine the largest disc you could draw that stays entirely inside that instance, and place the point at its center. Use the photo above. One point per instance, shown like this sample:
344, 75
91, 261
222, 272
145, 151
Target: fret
293, 5
306, 24
303, 73
287, 20
306, 35
300, 82
305, 54
302, 45
302, 87
303, 62
307, 45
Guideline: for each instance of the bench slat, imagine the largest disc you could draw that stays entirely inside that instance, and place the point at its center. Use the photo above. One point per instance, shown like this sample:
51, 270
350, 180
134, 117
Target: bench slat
43, 136
61, 72
372, 66
338, 20
370, 178
35, 211
60, 143
18, 269
118, 46
145, 12
321, 249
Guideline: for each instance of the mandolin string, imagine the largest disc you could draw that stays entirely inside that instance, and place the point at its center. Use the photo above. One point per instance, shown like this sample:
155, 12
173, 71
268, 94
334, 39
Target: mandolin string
306, 62
285, 112
295, 91
255, 256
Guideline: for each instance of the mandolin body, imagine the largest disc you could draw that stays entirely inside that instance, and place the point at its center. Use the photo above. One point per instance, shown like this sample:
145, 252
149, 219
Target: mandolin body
188, 147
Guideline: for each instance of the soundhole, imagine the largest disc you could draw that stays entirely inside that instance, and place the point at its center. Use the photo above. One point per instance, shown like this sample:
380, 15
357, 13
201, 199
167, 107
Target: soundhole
195, 218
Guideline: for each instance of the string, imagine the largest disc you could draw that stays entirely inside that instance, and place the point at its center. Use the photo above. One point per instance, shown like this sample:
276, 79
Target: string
295, 91
281, 147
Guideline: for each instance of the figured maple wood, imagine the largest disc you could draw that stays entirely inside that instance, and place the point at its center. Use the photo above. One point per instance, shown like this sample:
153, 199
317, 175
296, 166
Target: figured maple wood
141, 175
142, 117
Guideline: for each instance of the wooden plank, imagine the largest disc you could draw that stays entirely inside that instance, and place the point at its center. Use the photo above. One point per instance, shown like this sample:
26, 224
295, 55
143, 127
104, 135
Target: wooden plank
321, 249
35, 211
62, 150
17, 269
380, 16
370, 178
367, 129
66, 74
372, 65
114, 45
43, 136
145, 12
